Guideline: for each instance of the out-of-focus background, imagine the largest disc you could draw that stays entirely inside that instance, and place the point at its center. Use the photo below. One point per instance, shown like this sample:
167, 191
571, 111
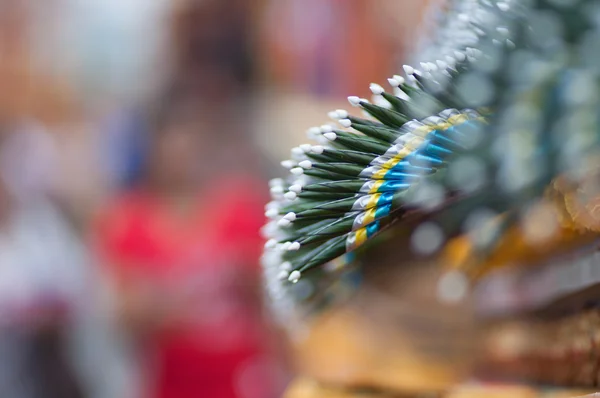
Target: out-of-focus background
136, 138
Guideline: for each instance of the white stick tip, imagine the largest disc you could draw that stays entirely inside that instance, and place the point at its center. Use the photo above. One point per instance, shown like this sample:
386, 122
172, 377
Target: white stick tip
286, 266
283, 222
318, 149
342, 113
271, 213
441, 64
503, 6
297, 151
305, 164
326, 128
333, 115
409, 70
296, 188
354, 100
330, 136
288, 164
346, 122
313, 132
290, 195
376, 89
270, 244
399, 78
294, 276
291, 216
459, 56
275, 182
393, 82
283, 275
294, 246
297, 171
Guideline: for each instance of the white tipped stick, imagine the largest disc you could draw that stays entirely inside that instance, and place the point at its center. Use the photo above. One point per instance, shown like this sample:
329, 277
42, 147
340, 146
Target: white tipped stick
305, 147
272, 205
354, 100
409, 70
275, 182
305, 164
326, 128
271, 213
313, 132
296, 188
432, 66
376, 89
318, 149
342, 113
288, 164
290, 195
286, 266
330, 136
294, 246
441, 64
270, 244
345, 122
459, 56
291, 216
425, 66
283, 222
333, 115
364, 100
283, 275
399, 78
276, 189
503, 6
294, 276
297, 151
393, 82
297, 171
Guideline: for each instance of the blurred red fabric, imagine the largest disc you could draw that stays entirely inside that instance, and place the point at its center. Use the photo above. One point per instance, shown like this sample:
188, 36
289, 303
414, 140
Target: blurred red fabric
208, 259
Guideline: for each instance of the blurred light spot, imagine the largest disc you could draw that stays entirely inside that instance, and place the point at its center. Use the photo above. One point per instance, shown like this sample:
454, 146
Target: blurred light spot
540, 223
475, 89
546, 29
427, 238
452, 287
467, 173
428, 196
480, 226
303, 289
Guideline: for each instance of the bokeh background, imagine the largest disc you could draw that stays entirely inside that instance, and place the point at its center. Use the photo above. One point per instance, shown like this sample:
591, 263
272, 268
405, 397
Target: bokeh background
136, 139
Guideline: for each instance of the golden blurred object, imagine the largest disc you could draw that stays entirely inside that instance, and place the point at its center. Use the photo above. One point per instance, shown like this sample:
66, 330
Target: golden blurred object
568, 217
394, 336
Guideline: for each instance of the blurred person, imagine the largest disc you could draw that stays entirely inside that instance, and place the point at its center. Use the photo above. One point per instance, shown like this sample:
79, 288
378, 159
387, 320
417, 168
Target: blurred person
54, 339
182, 246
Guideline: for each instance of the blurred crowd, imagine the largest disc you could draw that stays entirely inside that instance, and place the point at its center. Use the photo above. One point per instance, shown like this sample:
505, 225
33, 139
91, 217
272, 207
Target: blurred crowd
135, 141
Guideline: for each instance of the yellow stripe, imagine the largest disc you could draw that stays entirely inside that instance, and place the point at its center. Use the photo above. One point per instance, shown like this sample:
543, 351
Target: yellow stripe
404, 152
361, 237
373, 200
414, 143
376, 186
422, 131
456, 119
369, 216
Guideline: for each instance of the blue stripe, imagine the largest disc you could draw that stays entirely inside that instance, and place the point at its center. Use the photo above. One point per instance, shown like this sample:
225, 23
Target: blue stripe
372, 229
389, 186
382, 211
392, 175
